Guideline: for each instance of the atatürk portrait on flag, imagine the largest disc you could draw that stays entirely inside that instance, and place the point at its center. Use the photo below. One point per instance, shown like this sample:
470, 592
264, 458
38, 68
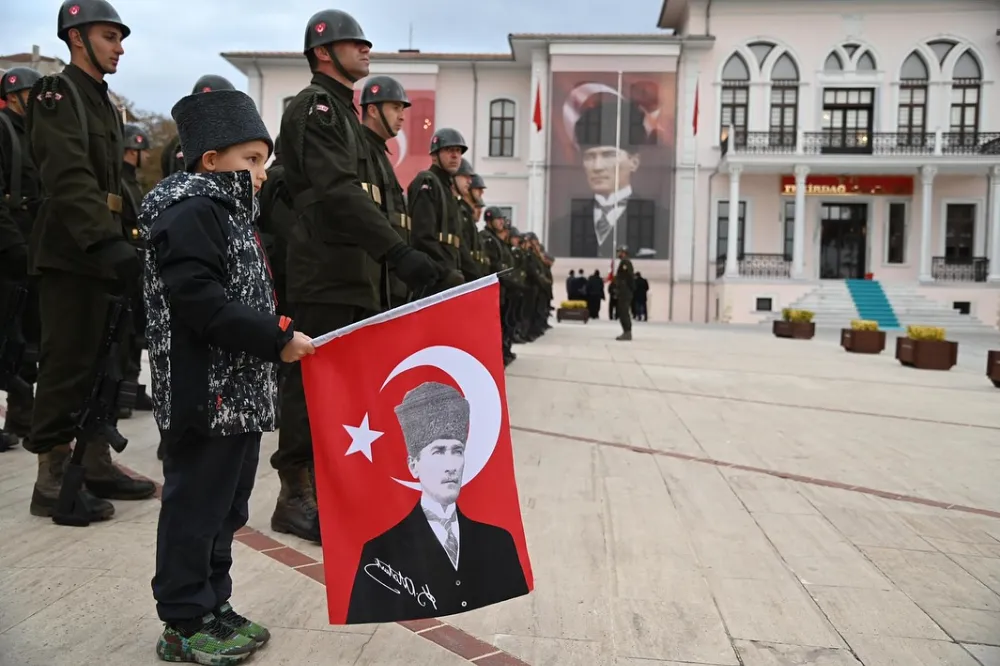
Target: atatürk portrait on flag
436, 560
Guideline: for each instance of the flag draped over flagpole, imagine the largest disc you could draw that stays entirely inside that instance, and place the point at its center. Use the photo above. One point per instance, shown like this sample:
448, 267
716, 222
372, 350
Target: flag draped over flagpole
694, 197
695, 122
618, 147
538, 108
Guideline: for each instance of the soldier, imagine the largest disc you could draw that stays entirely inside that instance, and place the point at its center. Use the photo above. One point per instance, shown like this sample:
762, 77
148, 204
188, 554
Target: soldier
536, 312
341, 237
383, 110
172, 159
19, 180
470, 251
136, 145
437, 222
497, 251
78, 250
478, 189
625, 282
520, 279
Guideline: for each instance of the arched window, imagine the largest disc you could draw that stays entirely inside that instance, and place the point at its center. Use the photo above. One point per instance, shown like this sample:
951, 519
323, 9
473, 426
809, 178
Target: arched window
502, 128
833, 63
784, 102
760, 51
866, 63
966, 90
941, 48
912, 116
735, 104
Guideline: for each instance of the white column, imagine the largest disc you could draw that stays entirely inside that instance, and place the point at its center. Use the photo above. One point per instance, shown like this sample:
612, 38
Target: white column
994, 222
537, 144
732, 242
927, 174
799, 240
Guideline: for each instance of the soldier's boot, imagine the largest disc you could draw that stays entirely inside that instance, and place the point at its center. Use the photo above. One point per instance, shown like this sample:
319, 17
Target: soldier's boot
124, 413
18, 420
8, 440
45, 496
627, 335
296, 511
143, 403
106, 481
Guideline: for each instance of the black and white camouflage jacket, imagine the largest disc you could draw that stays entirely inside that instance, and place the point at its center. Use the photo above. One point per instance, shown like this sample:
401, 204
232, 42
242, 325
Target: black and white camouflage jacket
212, 332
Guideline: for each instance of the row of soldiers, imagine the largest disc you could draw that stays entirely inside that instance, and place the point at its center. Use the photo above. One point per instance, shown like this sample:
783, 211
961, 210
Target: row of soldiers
344, 239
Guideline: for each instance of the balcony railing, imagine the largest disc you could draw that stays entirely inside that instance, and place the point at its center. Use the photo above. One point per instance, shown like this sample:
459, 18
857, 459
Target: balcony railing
965, 269
766, 266
838, 142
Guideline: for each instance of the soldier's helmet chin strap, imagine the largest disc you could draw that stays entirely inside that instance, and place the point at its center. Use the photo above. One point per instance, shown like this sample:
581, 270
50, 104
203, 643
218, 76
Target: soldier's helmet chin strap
84, 31
336, 63
385, 123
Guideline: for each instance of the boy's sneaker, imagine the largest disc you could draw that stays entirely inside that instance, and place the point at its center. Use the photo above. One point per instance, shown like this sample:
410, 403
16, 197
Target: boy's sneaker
213, 644
242, 625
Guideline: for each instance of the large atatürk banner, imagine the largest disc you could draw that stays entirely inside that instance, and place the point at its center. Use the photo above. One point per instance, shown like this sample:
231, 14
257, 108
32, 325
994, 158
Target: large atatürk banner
414, 468
408, 152
589, 211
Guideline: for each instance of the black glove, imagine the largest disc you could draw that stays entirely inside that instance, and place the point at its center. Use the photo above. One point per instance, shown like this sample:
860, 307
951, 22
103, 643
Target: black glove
14, 262
413, 267
123, 260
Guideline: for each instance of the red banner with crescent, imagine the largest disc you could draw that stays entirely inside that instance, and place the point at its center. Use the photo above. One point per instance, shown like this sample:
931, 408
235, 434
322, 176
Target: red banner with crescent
414, 467
409, 151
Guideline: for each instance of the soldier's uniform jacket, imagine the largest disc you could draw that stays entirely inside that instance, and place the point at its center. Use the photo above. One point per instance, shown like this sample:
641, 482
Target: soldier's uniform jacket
436, 218
11, 240
341, 235
536, 270
520, 273
80, 174
212, 332
132, 201
393, 290
625, 280
276, 221
470, 253
172, 159
23, 212
498, 255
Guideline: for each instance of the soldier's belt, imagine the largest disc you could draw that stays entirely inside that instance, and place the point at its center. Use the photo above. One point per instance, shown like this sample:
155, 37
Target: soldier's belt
374, 191
114, 203
403, 221
450, 239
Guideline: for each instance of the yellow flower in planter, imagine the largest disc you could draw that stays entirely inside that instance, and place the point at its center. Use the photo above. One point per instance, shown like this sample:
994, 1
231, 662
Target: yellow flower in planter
573, 305
929, 333
863, 325
797, 316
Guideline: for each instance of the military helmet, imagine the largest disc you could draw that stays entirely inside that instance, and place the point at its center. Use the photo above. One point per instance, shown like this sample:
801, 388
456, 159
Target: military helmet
477, 182
447, 137
135, 138
78, 13
383, 89
623, 248
465, 169
332, 25
211, 83
514, 233
530, 236
17, 79
493, 213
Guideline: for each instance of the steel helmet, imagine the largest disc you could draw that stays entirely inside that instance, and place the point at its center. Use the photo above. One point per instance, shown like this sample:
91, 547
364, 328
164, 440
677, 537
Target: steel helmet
17, 79
330, 26
78, 13
383, 89
447, 137
211, 83
135, 138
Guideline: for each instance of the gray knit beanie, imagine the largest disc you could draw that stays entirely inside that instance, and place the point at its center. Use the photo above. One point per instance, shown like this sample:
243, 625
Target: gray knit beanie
215, 121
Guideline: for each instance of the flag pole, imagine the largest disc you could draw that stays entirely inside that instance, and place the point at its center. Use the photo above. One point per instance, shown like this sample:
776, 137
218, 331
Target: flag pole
694, 200
618, 148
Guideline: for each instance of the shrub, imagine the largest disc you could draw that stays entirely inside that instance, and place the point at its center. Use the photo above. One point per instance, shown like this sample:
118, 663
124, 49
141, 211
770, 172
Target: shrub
863, 325
573, 305
929, 333
796, 316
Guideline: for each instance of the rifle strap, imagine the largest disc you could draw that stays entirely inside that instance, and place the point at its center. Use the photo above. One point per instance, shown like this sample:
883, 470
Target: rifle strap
16, 164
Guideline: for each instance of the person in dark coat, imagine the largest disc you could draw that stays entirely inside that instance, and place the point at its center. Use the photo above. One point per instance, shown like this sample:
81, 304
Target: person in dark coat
570, 282
455, 563
625, 282
595, 294
640, 298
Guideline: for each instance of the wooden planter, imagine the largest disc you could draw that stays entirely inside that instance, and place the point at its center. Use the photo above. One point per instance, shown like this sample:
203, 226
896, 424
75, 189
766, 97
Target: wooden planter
572, 314
993, 367
862, 342
794, 329
927, 354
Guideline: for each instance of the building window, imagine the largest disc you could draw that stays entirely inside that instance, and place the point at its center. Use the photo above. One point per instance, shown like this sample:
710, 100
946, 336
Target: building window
722, 231
866, 63
784, 102
912, 116
735, 100
967, 80
833, 63
941, 48
501, 128
789, 213
847, 119
960, 231
895, 234
763, 304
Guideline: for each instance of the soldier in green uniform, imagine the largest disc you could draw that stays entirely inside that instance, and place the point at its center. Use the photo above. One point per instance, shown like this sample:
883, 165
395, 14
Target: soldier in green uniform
477, 188
470, 249
136, 146
383, 110
275, 224
437, 221
497, 252
340, 240
19, 180
625, 282
78, 250
537, 308
172, 159
520, 293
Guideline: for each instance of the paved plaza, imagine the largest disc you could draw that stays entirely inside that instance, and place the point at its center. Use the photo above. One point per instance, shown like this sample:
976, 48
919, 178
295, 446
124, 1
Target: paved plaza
701, 495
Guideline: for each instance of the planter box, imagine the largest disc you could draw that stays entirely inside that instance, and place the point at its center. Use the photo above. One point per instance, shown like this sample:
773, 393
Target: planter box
927, 354
862, 342
993, 367
572, 314
794, 329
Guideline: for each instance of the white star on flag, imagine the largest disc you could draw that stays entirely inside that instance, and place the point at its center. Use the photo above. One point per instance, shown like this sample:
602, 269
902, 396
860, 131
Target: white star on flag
361, 438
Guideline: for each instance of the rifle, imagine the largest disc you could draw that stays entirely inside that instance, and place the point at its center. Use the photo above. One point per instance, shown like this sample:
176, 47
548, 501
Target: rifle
12, 345
98, 418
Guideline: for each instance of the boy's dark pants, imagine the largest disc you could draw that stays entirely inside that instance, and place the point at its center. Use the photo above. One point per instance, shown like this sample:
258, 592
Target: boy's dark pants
206, 495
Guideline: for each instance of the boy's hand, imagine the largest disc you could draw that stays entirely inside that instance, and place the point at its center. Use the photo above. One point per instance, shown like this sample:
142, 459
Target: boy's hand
300, 345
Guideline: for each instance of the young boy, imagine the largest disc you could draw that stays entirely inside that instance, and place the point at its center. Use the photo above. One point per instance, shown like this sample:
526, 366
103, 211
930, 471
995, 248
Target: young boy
213, 339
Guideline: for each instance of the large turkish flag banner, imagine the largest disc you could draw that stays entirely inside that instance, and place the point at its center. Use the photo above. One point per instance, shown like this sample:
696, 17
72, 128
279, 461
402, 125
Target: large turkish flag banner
414, 467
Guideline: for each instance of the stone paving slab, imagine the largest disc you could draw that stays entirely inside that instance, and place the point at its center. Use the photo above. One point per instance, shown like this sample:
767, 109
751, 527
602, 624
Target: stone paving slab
702, 495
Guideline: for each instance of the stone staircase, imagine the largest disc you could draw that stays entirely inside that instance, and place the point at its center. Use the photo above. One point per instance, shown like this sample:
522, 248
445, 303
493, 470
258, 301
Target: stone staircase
830, 303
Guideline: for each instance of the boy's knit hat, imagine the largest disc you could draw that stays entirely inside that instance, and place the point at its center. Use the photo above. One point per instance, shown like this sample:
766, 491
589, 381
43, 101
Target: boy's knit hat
215, 121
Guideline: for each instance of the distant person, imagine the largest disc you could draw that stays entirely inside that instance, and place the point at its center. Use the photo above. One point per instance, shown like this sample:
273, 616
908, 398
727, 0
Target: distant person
639, 299
595, 294
570, 284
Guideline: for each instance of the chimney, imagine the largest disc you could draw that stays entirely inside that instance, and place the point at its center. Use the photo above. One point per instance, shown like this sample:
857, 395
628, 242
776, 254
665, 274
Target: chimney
409, 50
36, 55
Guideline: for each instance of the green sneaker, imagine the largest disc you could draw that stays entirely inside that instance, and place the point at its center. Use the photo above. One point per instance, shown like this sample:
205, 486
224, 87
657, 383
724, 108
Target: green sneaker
242, 625
214, 644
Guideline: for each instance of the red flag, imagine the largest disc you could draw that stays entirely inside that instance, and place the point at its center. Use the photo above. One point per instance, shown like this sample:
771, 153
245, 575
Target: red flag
414, 467
538, 108
696, 109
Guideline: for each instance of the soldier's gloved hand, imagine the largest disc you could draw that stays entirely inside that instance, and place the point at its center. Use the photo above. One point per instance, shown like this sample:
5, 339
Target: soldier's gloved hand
14, 262
413, 267
123, 260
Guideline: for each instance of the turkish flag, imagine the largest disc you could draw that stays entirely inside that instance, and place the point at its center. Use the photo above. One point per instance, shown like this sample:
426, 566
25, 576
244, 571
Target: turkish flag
695, 122
538, 108
414, 467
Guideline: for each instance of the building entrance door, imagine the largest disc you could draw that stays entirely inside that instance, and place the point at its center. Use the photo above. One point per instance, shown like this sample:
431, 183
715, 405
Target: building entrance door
843, 233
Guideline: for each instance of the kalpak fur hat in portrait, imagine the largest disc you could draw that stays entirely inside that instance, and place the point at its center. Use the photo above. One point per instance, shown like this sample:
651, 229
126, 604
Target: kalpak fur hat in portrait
216, 121
430, 412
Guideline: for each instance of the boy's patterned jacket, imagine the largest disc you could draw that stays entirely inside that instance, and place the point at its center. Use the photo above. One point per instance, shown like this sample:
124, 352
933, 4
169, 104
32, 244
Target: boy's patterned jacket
212, 332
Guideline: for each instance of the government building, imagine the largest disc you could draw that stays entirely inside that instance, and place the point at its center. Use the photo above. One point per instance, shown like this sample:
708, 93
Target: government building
753, 155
